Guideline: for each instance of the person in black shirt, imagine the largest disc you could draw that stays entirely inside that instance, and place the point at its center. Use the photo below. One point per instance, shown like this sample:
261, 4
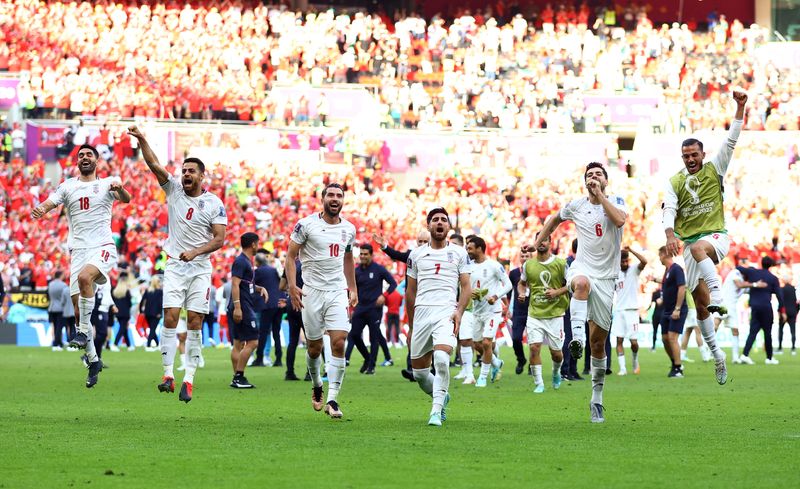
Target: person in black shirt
270, 314
123, 302
790, 303
241, 310
369, 310
658, 311
761, 315
295, 319
519, 315
673, 293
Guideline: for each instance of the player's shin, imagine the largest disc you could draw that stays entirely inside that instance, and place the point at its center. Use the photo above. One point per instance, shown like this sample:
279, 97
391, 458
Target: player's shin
193, 346
314, 365
85, 306
91, 350
598, 379
441, 382
710, 337
466, 361
335, 377
708, 272
169, 345
425, 379
578, 311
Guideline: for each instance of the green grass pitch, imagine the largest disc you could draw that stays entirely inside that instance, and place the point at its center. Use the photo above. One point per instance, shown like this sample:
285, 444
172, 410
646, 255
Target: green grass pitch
659, 432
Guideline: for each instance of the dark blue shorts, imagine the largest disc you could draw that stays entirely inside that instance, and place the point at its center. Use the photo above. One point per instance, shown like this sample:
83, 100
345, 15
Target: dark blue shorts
669, 325
247, 330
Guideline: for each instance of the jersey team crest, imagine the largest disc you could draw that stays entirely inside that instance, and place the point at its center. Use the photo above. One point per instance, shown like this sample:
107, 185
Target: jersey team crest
201, 205
344, 236
449, 257
96, 188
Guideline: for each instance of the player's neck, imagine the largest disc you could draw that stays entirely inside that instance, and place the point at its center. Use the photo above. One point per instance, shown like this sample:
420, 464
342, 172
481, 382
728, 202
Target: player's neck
249, 254
87, 178
480, 259
543, 256
330, 219
194, 193
438, 245
595, 200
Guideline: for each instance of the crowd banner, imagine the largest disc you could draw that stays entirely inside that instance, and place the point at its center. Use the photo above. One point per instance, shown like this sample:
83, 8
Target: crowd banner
9, 96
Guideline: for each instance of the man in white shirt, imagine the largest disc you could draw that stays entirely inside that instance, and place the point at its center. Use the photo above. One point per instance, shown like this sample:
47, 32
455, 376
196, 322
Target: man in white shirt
324, 242
87, 201
197, 222
625, 324
434, 309
599, 220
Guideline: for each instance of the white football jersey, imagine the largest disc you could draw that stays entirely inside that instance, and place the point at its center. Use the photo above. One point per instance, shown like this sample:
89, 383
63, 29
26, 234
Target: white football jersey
599, 239
628, 289
190, 219
730, 292
88, 206
438, 274
323, 248
492, 276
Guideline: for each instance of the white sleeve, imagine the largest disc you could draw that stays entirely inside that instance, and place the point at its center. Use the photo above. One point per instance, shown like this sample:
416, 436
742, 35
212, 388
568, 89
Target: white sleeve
300, 233
170, 185
669, 207
59, 196
567, 212
220, 217
352, 241
464, 265
411, 265
723, 157
505, 282
619, 203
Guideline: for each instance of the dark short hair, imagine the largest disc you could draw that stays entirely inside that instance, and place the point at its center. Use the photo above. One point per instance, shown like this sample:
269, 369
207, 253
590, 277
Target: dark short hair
263, 251
197, 161
575, 245
248, 239
261, 259
331, 185
58, 274
368, 247
692, 141
478, 242
624, 255
595, 164
434, 211
89, 146
460, 238
767, 262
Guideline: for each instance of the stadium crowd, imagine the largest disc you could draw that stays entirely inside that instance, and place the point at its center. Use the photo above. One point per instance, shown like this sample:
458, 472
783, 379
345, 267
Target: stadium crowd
483, 70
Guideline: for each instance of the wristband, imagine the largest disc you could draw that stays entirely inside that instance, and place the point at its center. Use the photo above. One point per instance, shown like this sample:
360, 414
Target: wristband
236, 302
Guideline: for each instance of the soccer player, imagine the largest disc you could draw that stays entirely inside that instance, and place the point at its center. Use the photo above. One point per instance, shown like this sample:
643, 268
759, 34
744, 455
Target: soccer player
693, 212
197, 222
625, 323
489, 283
732, 289
675, 310
87, 200
545, 275
324, 243
241, 309
599, 220
435, 273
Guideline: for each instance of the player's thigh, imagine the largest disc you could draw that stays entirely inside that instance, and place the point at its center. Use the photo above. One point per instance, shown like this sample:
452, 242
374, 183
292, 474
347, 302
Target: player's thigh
175, 285
335, 311
489, 325
422, 335
198, 294
466, 327
716, 246
246, 330
576, 278
692, 269
601, 297
313, 313
553, 329
443, 334
535, 331
630, 324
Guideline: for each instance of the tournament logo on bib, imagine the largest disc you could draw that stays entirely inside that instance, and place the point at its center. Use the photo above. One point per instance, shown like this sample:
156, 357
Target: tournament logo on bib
545, 276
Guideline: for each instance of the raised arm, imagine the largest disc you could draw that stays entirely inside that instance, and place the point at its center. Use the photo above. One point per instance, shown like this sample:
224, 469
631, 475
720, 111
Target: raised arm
639, 256
723, 157
549, 226
122, 194
149, 156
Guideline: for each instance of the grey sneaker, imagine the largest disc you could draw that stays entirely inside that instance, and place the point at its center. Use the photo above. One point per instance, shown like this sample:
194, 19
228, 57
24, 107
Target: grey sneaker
721, 370
597, 413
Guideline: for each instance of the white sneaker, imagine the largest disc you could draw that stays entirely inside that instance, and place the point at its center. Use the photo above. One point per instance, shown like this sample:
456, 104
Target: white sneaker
737, 360
114, 348
794, 352
746, 360
771, 361
461, 375
469, 381
622, 372
151, 348
181, 368
212, 342
57, 348
131, 348
267, 362
71, 348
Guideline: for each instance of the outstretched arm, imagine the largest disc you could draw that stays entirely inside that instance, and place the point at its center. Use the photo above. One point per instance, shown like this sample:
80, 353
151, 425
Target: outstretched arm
549, 226
149, 156
42, 209
723, 157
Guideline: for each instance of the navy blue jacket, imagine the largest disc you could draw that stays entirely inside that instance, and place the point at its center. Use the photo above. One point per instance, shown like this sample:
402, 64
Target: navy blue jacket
369, 282
267, 277
761, 297
519, 309
123, 305
152, 303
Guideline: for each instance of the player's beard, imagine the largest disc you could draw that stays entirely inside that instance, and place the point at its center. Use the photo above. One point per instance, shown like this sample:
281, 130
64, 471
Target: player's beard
89, 171
329, 211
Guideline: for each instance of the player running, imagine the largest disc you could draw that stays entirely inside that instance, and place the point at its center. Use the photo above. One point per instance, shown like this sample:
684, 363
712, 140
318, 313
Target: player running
324, 243
197, 222
693, 212
591, 277
625, 324
87, 201
732, 289
435, 273
489, 283
545, 275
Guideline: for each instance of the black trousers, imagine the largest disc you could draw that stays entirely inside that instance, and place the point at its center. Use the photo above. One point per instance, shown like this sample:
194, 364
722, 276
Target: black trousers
100, 322
517, 331
209, 321
270, 323
57, 319
152, 323
569, 365
376, 339
69, 324
791, 321
295, 325
362, 318
393, 328
760, 319
122, 332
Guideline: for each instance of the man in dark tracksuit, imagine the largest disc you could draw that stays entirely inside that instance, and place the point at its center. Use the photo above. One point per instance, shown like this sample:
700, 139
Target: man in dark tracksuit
295, 319
761, 315
270, 314
402, 256
519, 315
369, 310
790, 303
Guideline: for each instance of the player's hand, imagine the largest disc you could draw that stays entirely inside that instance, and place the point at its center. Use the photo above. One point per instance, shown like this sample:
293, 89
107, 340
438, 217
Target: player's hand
353, 295
381, 301
784, 317
676, 314
263, 292
237, 313
594, 187
476, 295
135, 132
491, 300
189, 255
456, 318
760, 284
673, 247
37, 212
296, 296
378, 238
281, 303
740, 98
626, 248
551, 294
115, 187
521, 298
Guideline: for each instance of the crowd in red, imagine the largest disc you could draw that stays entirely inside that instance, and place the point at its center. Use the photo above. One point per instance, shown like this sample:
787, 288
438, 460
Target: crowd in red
482, 69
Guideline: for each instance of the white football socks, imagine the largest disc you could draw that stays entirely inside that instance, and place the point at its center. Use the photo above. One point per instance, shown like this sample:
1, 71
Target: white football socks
708, 272
169, 345
424, 379
598, 379
635, 362
466, 361
327, 351
193, 346
537, 375
621, 361
91, 351
557, 366
314, 365
578, 311
441, 382
707, 328
485, 370
735, 347
85, 308
335, 377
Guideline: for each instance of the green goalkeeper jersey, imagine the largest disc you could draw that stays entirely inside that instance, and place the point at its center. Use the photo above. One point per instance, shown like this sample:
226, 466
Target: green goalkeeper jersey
700, 209
541, 276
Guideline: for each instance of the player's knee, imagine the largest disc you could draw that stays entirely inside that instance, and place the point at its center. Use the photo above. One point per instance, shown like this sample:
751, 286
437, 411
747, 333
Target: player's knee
557, 355
698, 251
441, 360
597, 345
580, 286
